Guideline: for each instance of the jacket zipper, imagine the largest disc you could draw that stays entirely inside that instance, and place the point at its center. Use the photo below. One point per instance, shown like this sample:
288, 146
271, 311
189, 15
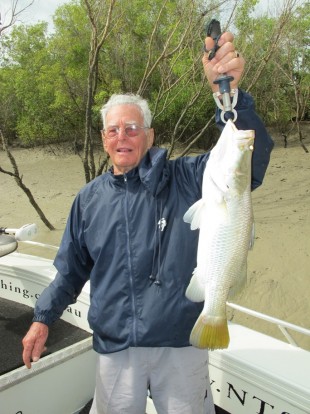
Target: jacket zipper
133, 298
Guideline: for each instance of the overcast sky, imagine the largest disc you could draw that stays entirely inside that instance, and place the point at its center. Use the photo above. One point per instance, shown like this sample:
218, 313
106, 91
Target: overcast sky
43, 10
40, 10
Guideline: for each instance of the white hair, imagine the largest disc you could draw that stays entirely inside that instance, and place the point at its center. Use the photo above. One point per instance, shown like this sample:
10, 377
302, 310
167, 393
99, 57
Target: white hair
128, 99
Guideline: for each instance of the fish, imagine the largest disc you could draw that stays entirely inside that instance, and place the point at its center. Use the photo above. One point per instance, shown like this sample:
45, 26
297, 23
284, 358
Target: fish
224, 217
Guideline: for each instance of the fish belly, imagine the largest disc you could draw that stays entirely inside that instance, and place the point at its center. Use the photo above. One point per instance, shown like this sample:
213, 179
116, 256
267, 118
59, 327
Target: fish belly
225, 225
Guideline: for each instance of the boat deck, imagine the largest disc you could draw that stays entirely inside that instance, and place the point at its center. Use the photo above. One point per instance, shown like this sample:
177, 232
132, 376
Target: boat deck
15, 319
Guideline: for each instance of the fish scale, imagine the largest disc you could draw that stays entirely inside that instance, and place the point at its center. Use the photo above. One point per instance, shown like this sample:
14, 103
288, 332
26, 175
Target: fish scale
224, 217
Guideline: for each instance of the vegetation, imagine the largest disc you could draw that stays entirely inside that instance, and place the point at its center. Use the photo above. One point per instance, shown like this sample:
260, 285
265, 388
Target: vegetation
52, 85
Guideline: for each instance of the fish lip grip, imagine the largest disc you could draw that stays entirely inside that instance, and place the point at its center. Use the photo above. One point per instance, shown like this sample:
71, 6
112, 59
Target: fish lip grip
213, 29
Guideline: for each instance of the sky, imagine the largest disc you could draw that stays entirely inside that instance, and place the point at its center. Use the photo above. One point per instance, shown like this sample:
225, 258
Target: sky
40, 10
43, 10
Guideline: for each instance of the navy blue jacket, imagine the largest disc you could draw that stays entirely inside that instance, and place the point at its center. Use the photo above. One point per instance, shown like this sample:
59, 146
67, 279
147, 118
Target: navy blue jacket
126, 233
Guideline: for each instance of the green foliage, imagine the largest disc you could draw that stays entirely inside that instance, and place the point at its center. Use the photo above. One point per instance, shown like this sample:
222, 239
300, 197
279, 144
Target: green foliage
47, 79
276, 50
26, 66
153, 48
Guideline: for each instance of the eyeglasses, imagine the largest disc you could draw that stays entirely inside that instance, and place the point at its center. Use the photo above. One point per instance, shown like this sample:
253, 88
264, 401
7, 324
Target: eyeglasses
131, 131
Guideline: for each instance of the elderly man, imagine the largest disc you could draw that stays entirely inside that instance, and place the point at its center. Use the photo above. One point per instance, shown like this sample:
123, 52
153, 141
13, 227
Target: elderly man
126, 234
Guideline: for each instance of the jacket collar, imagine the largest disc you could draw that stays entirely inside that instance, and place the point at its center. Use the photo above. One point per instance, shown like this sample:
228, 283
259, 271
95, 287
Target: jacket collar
152, 171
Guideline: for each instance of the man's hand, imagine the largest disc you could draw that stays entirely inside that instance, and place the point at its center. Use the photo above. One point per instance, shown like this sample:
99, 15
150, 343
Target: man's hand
34, 343
226, 60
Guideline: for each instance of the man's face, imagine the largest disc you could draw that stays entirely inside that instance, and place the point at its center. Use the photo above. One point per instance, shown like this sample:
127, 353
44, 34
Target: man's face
126, 152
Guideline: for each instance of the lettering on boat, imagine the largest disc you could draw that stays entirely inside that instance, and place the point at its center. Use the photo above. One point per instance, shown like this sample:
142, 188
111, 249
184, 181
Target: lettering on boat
243, 399
12, 290
26, 294
75, 312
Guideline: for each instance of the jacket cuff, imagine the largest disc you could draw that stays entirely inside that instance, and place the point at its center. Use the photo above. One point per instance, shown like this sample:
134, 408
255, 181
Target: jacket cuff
43, 318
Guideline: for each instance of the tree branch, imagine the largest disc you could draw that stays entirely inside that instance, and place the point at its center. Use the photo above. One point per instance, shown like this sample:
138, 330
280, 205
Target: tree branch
14, 15
19, 180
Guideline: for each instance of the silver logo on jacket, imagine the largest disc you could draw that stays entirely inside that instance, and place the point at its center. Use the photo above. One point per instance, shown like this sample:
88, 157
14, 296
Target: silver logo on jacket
162, 223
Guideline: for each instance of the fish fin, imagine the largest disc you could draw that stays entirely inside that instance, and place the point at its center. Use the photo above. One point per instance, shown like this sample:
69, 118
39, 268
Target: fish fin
240, 283
222, 211
193, 214
210, 333
195, 290
219, 180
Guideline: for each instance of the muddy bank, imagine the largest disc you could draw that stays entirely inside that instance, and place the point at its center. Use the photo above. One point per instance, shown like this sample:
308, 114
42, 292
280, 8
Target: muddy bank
279, 265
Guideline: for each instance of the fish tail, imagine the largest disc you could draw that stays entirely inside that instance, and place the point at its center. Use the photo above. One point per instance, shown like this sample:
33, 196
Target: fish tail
210, 333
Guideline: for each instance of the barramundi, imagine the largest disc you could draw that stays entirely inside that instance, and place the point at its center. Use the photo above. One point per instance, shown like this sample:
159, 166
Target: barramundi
224, 217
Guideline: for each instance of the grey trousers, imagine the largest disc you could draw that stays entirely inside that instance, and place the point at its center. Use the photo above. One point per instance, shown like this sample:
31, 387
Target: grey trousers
177, 378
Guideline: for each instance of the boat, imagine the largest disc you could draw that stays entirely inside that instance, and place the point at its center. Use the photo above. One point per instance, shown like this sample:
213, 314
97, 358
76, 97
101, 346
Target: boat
63, 380
260, 374
257, 374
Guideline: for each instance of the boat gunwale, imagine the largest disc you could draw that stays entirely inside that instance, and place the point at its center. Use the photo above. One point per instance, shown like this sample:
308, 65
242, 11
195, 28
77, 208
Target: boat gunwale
47, 362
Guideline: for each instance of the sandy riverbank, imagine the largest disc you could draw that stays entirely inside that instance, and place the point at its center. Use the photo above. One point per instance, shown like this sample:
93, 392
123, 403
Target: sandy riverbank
279, 265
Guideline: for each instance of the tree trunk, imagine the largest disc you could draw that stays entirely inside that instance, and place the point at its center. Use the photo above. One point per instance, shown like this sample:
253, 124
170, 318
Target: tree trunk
98, 37
19, 181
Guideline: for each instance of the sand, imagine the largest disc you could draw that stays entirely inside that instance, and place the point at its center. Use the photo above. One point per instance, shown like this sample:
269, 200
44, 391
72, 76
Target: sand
278, 266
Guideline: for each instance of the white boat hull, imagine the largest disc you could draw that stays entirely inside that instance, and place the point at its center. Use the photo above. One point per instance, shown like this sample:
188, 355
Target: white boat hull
257, 374
64, 381
59, 383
